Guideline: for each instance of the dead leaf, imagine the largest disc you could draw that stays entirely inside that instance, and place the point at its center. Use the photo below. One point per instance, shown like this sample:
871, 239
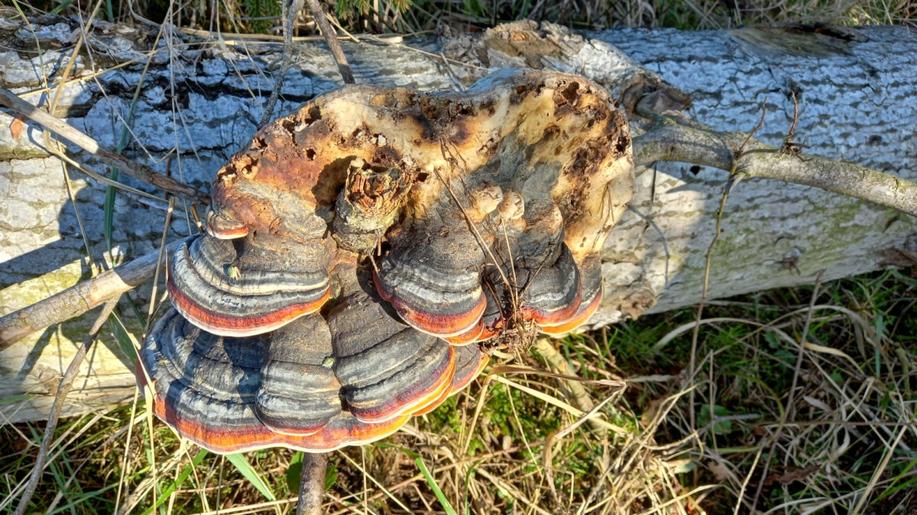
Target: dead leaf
16, 127
791, 475
719, 470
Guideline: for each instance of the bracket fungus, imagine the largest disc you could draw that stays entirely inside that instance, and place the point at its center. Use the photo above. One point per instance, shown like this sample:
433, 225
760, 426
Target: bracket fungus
364, 253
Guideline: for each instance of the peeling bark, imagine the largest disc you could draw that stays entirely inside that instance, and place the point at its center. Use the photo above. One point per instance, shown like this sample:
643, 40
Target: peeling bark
857, 103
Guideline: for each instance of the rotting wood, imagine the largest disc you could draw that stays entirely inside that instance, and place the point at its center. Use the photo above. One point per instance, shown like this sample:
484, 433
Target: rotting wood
854, 105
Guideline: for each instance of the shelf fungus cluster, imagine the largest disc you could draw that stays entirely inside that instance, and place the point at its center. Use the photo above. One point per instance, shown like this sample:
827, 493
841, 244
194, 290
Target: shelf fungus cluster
363, 254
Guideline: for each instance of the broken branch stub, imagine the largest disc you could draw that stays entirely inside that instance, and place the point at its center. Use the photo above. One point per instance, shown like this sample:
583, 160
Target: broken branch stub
362, 251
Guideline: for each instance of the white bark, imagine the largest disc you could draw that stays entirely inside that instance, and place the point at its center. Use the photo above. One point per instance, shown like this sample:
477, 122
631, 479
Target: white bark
858, 102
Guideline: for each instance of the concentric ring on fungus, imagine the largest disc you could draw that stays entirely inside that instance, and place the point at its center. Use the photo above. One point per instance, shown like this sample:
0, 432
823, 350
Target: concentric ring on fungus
360, 251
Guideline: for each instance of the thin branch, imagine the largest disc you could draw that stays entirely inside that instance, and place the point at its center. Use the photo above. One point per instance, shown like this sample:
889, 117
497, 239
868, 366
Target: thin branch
312, 483
699, 312
288, 14
332, 40
80, 298
90, 172
669, 140
66, 383
19, 106
789, 145
733, 179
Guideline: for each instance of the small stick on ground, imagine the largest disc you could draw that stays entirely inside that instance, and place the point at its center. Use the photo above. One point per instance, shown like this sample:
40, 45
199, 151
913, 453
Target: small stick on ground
63, 388
331, 39
80, 298
312, 483
62, 129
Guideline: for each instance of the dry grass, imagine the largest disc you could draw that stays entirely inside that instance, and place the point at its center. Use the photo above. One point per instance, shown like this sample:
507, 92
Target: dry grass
843, 440
704, 14
408, 16
801, 400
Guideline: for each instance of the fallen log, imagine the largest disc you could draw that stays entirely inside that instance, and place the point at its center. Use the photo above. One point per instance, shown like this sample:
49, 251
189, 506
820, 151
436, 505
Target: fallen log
854, 90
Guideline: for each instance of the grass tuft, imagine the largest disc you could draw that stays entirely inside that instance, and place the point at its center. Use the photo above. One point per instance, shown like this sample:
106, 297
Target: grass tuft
845, 440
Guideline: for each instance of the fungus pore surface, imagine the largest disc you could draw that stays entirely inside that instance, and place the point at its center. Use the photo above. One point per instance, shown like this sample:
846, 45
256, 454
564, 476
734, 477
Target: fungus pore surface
364, 254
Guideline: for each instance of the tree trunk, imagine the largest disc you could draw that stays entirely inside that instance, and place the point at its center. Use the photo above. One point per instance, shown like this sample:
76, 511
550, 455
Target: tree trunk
857, 101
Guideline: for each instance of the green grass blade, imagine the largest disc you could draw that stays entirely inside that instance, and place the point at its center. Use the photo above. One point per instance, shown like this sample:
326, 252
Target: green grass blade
180, 480
108, 209
431, 482
238, 460
294, 471
122, 336
896, 485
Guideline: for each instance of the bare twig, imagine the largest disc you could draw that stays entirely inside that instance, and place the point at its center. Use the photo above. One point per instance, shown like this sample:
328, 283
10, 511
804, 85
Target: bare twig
231, 38
789, 145
66, 383
158, 268
312, 483
699, 312
80, 298
62, 129
331, 39
288, 15
669, 140
708, 258
580, 398
89, 171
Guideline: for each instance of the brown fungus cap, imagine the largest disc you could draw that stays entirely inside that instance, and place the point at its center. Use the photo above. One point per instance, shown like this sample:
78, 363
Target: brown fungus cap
360, 251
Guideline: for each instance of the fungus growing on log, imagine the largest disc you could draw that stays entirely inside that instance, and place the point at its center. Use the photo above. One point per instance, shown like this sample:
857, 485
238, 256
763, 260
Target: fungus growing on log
364, 253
